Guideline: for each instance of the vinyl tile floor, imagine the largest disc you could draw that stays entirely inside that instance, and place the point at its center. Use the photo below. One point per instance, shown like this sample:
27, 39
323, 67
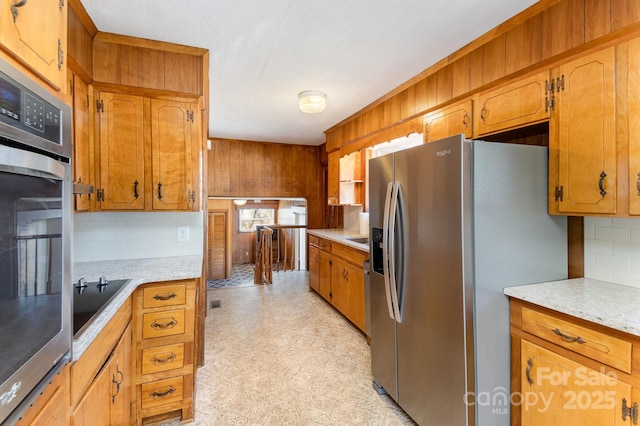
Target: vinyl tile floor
280, 355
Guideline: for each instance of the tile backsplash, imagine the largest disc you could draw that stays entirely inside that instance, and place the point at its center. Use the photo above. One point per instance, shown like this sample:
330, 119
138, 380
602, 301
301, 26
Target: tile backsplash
116, 235
612, 250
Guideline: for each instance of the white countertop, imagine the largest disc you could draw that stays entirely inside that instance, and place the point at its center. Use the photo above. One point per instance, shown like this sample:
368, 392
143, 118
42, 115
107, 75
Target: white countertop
139, 271
601, 302
340, 235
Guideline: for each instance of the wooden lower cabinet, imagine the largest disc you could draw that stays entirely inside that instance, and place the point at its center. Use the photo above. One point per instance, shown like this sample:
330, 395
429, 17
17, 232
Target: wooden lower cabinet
164, 317
336, 273
347, 288
108, 399
314, 268
562, 371
557, 390
51, 408
102, 378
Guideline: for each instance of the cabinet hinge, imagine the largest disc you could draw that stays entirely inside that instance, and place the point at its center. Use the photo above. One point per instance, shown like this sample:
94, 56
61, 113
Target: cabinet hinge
60, 55
99, 105
549, 103
560, 83
631, 411
559, 193
100, 195
548, 86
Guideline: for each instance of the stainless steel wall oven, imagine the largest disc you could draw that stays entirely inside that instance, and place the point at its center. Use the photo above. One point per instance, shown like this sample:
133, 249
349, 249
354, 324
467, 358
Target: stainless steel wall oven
35, 239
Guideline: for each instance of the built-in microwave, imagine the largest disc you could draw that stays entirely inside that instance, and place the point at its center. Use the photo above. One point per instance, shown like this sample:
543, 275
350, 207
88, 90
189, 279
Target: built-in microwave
35, 240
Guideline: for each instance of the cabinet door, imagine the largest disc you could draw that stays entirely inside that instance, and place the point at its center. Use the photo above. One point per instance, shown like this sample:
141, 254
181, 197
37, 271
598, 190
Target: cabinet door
94, 409
172, 140
121, 379
518, 104
35, 32
108, 399
355, 282
340, 285
314, 268
559, 391
324, 283
121, 151
634, 126
82, 172
347, 289
333, 184
582, 135
448, 121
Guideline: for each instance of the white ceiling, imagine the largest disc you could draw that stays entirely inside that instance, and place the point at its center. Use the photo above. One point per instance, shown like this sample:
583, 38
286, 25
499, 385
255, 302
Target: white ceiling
264, 52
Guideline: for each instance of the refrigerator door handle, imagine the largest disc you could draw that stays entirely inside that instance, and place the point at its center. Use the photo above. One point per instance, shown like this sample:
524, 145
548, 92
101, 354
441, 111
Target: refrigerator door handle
385, 248
393, 285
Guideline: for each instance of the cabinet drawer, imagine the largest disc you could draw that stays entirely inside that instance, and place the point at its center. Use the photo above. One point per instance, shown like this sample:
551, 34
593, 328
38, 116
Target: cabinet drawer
164, 323
324, 245
596, 345
352, 255
165, 295
162, 358
162, 392
314, 241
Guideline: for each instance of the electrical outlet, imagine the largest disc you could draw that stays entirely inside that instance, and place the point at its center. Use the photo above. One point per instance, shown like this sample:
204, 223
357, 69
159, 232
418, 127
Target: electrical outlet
183, 233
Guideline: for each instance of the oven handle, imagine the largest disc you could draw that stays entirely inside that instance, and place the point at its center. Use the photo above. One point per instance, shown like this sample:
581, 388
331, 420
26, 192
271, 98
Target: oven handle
18, 161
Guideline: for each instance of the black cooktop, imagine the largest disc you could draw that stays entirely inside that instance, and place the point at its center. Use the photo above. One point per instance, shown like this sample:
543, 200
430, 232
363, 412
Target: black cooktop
89, 300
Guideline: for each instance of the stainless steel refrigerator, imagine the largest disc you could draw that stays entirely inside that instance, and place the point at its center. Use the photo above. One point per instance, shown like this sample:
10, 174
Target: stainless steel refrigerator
452, 223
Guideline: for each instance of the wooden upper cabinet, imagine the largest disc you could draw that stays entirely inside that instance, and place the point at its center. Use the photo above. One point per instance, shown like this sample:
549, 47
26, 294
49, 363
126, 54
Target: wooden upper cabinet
582, 136
120, 143
517, 104
174, 137
35, 32
448, 121
82, 171
634, 125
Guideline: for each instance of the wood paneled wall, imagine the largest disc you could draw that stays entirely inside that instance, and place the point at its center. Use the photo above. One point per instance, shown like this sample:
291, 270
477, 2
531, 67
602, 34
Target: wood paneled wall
548, 31
81, 31
267, 170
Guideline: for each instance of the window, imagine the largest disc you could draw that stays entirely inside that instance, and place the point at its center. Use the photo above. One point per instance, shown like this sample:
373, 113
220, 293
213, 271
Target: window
250, 217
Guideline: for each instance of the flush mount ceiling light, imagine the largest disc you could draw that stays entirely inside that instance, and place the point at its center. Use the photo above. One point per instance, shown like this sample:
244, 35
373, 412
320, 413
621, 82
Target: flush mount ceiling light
312, 101
239, 202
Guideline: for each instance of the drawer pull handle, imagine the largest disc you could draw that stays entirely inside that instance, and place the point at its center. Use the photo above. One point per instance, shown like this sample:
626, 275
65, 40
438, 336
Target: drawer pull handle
169, 391
603, 192
168, 358
160, 326
528, 371
165, 297
569, 338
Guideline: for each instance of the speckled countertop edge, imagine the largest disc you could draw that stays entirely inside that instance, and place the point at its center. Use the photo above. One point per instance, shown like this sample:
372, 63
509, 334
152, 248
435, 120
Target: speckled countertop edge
609, 304
138, 271
340, 235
